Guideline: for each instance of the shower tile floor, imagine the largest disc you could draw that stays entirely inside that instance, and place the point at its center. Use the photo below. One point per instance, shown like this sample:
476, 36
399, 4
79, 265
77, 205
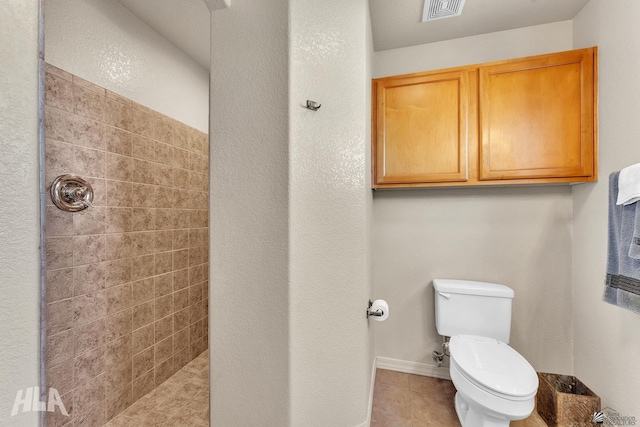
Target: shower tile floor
407, 400
180, 401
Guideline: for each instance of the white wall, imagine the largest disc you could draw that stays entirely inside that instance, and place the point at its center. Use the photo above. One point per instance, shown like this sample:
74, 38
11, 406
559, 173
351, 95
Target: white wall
518, 236
328, 210
607, 342
249, 277
104, 43
19, 207
289, 194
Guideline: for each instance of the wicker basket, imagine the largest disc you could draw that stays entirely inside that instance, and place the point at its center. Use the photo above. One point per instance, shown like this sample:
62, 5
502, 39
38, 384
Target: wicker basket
564, 401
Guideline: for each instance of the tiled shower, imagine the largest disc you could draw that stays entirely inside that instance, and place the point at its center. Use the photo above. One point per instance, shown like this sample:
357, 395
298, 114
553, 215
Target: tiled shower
127, 278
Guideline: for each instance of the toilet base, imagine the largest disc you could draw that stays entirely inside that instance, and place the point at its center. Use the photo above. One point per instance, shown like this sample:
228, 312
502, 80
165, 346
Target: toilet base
470, 417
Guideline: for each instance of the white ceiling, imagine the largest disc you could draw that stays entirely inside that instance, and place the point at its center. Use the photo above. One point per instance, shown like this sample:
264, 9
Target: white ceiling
395, 23
185, 23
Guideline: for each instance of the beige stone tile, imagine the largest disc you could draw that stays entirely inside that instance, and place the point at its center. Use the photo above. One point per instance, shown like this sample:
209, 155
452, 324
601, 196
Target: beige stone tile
181, 299
143, 243
143, 148
143, 219
163, 175
59, 348
143, 361
58, 92
163, 241
181, 260
99, 191
142, 195
142, 338
181, 319
89, 336
50, 69
90, 249
119, 245
182, 218
180, 340
431, 385
119, 325
430, 410
88, 102
181, 159
88, 394
164, 370
117, 114
94, 416
119, 167
119, 401
89, 278
165, 197
164, 306
181, 179
142, 290
181, 136
141, 122
142, 267
119, 193
60, 377
89, 365
143, 384
118, 298
163, 128
143, 314
118, 376
118, 272
59, 252
163, 350
59, 316
58, 222
163, 328
143, 171
118, 141
59, 160
87, 85
92, 220
165, 219
180, 277
119, 220
120, 351
123, 421
163, 285
391, 407
119, 98
89, 307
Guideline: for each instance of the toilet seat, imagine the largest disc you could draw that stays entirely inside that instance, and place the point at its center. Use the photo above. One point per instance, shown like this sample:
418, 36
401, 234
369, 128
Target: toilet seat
494, 367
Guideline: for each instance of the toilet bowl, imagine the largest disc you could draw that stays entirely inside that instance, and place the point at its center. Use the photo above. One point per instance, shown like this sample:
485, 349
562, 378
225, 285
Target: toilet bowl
494, 383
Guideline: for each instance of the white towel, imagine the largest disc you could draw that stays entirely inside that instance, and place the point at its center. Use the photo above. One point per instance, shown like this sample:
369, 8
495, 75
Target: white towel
629, 185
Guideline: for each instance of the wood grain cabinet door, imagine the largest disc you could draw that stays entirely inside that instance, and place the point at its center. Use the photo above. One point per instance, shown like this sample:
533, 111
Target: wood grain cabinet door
420, 129
537, 117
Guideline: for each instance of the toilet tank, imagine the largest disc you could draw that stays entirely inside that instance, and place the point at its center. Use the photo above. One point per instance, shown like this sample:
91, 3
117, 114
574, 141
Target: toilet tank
465, 307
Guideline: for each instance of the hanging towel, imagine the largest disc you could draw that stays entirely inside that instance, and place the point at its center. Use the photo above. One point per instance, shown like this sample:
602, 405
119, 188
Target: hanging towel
622, 287
634, 249
629, 185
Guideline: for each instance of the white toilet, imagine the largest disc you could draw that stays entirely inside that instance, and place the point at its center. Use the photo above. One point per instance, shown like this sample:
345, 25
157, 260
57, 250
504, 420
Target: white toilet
494, 383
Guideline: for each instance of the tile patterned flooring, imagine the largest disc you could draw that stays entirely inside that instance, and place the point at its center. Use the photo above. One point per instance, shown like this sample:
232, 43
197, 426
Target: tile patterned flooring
407, 400
182, 400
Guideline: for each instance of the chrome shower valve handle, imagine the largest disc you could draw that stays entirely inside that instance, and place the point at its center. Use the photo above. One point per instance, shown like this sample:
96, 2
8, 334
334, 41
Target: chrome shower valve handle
71, 193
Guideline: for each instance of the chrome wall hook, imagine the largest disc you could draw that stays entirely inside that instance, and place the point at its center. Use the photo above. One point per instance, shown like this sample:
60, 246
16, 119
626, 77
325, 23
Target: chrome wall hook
313, 105
71, 193
377, 313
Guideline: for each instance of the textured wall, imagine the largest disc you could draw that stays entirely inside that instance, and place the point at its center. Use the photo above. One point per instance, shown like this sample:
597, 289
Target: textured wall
606, 337
518, 236
101, 41
19, 206
289, 219
249, 215
328, 226
127, 278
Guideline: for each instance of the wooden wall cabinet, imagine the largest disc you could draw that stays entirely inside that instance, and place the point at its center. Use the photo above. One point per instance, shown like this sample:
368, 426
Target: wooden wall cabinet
523, 121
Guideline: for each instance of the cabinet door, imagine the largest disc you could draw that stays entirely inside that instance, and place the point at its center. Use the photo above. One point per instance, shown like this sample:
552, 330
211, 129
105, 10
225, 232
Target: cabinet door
537, 117
420, 128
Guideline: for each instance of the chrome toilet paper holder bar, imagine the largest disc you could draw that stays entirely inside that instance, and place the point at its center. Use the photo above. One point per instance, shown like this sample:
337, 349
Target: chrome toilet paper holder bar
376, 313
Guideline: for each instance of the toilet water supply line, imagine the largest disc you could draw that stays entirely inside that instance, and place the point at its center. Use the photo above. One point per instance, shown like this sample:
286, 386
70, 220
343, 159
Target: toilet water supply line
439, 355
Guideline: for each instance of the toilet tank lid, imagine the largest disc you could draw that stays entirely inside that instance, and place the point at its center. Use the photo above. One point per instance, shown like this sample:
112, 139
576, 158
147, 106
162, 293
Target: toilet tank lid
469, 287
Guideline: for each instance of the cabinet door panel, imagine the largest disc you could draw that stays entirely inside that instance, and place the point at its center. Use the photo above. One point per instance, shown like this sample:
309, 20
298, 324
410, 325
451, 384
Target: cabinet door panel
536, 118
421, 129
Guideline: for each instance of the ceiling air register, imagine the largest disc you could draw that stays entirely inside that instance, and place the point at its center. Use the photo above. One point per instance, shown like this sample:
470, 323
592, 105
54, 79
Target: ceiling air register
439, 9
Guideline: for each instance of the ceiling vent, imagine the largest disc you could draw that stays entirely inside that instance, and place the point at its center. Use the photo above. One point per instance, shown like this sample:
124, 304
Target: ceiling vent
439, 9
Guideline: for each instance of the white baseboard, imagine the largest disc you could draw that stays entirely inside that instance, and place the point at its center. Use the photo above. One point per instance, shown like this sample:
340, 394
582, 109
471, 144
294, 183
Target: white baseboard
412, 368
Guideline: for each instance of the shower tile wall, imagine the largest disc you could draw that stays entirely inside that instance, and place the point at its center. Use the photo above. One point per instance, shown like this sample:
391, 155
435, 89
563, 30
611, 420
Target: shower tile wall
127, 279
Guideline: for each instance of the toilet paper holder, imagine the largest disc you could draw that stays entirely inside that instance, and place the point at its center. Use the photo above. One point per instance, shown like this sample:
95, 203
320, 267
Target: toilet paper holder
377, 313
